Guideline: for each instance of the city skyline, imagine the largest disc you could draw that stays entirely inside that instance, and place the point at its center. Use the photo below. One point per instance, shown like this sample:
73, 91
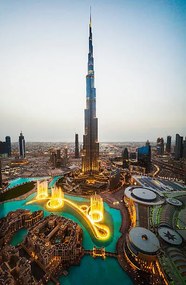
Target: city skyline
139, 51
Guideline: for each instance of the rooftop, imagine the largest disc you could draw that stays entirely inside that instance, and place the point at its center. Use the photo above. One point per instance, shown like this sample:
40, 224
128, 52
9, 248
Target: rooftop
144, 240
169, 235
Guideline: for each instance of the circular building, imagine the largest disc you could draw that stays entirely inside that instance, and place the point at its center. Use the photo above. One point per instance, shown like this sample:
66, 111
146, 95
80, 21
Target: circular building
174, 202
170, 236
138, 200
143, 195
141, 248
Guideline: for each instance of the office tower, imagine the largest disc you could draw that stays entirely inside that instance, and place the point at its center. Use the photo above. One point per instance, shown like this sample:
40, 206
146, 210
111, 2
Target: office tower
125, 157
178, 147
144, 157
184, 148
21, 145
1, 180
125, 153
160, 146
168, 144
90, 158
8, 145
76, 146
3, 149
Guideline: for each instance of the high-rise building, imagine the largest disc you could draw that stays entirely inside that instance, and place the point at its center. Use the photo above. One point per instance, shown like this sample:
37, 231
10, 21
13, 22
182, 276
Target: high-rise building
178, 147
76, 146
8, 143
5, 147
144, 157
1, 180
168, 144
21, 145
90, 158
125, 157
160, 146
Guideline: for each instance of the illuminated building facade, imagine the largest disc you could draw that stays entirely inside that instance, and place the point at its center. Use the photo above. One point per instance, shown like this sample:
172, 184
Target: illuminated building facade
141, 249
21, 145
55, 239
90, 159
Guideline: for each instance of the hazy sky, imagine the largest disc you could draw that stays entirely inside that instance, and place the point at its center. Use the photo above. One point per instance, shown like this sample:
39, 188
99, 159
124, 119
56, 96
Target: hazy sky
140, 68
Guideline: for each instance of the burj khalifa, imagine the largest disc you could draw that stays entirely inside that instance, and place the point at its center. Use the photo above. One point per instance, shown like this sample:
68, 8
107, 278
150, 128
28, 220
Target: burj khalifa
90, 158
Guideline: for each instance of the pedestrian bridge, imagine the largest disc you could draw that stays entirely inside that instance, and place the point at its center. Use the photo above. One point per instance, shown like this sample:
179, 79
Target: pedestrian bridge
100, 252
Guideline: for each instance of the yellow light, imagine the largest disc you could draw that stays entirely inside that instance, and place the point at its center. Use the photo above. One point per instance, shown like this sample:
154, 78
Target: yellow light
57, 199
92, 217
42, 190
96, 208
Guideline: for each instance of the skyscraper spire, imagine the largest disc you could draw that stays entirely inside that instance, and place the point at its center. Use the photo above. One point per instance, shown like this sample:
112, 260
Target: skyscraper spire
90, 163
90, 24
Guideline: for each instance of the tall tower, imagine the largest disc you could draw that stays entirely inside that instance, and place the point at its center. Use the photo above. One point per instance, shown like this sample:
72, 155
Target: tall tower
179, 147
76, 146
21, 145
168, 144
90, 158
8, 143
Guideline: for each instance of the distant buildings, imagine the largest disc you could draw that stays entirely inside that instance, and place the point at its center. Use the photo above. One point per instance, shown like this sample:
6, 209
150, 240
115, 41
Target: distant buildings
179, 148
168, 144
57, 159
76, 146
5, 147
21, 145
